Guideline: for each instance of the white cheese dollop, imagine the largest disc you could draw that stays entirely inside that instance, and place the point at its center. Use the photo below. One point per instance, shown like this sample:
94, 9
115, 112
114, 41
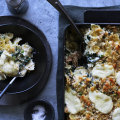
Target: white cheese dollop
30, 66
118, 78
116, 114
27, 49
2, 59
72, 102
102, 70
10, 68
103, 103
17, 40
79, 72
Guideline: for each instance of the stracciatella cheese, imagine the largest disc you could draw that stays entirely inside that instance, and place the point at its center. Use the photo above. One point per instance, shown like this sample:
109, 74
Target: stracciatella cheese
118, 78
116, 114
73, 103
10, 68
103, 103
27, 49
102, 70
79, 73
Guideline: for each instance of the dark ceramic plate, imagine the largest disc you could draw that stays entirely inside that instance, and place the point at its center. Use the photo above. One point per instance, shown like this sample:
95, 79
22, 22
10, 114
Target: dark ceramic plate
49, 111
30, 85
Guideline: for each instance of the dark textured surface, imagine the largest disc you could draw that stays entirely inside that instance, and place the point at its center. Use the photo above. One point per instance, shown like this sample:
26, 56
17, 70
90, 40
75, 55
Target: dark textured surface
43, 15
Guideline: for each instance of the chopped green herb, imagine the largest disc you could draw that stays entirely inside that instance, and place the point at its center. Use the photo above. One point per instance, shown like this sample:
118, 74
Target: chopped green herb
3, 36
88, 37
22, 51
14, 58
21, 66
1, 52
91, 55
26, 60
102, 56
80, 93
104, 61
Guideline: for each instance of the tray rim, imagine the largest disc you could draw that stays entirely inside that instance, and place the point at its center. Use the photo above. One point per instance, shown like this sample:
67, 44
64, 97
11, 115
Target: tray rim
63, 102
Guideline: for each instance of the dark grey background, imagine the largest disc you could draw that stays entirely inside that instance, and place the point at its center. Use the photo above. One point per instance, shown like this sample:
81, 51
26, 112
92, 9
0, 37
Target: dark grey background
45, 17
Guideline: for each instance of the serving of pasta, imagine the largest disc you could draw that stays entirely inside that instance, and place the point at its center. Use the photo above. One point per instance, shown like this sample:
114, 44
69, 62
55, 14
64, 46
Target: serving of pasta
93, 92
14, 58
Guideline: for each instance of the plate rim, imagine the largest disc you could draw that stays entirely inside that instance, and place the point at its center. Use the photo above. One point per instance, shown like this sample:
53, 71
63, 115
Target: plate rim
10, 21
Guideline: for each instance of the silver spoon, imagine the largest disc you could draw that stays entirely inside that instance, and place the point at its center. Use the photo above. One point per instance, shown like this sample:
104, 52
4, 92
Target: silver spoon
10, 83
56, 4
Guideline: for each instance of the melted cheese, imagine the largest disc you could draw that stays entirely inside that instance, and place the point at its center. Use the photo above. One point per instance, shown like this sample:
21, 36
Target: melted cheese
118, 78
79, 72
116, 114
102, 70
30, 66
10, 68
103, 103
73, 103
27, 49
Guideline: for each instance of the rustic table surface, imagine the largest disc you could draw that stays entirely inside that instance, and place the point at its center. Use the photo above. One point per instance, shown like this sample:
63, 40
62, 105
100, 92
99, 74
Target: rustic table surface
43, 15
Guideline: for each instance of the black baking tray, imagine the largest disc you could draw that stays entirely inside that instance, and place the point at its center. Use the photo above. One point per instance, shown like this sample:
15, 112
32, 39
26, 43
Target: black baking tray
63, 26
102, 16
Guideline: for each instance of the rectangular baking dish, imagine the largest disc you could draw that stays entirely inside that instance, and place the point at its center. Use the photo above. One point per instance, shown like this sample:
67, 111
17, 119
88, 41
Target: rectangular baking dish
60, 72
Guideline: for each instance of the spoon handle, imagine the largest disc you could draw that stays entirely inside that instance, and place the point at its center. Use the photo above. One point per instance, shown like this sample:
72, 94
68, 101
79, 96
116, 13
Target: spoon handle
56, 4
5, 89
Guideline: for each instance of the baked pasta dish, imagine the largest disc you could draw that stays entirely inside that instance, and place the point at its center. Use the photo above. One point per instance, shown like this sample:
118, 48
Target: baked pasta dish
14, 58
92, 92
